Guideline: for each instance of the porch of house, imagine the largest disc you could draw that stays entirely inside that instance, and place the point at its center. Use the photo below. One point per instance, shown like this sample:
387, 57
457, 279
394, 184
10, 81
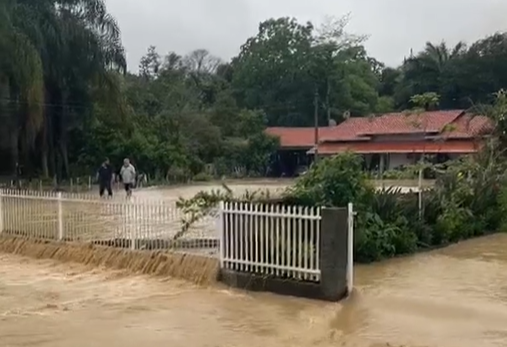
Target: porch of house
381, 162
290, 162
381, 154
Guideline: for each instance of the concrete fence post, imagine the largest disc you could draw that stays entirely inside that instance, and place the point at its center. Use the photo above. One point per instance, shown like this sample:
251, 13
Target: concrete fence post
334, 257
1, 211
350, 248
60, 216
221, 236
334, 252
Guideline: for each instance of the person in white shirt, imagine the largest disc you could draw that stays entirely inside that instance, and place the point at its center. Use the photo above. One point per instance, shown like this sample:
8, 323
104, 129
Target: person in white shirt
128, 176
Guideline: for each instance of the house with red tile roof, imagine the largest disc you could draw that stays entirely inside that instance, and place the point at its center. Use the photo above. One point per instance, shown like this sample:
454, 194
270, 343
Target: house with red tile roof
390, 140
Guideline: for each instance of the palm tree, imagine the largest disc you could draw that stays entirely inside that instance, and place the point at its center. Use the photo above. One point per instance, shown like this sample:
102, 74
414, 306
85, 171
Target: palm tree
429, 71
91, 51
73, 48
21, 82
435, 57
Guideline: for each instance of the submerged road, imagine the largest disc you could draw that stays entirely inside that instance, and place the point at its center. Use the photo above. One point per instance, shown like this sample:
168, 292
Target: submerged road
454, 297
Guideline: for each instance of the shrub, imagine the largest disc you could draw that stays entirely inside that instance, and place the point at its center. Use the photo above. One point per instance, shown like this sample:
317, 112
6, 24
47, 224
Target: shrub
466, 201
377, 239
469, 198
400, 174
333, 181
177, 174
202, 177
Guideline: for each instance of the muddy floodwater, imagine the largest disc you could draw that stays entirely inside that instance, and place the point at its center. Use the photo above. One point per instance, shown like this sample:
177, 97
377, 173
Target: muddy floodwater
452, 297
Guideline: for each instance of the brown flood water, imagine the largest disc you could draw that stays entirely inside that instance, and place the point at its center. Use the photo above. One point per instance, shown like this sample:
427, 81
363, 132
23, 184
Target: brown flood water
453, 297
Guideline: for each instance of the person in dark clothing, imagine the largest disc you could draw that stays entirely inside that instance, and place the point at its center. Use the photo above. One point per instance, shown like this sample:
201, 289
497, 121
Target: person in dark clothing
105, 176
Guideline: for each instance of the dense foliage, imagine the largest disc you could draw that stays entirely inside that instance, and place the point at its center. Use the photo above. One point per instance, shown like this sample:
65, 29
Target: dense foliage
67, 100
468, 200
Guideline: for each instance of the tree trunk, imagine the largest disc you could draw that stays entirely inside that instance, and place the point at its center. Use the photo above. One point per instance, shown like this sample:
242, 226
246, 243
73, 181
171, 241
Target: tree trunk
44, 155
328, 106
65, 158
50, 144
44, 146
13, 125
62, 138
25, 156
14, 149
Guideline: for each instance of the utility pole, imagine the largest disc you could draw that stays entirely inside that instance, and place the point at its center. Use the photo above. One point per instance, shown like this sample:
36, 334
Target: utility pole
327, 102
316, 124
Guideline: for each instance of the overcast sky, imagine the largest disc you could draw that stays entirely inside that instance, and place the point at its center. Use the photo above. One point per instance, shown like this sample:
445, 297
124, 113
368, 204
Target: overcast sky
221, 26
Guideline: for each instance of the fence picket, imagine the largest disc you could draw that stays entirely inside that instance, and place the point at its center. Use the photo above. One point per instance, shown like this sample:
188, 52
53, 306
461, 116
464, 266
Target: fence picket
138, 223
271, 240
268, 239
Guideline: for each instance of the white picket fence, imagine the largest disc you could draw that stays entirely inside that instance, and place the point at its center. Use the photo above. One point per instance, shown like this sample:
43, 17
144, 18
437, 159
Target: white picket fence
272, 240
281, 241
85, 218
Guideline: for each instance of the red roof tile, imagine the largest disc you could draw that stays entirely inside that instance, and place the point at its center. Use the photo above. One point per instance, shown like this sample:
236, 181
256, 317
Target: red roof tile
394, 124
454, 146
297, 137
454, 124
349, 130
468, 126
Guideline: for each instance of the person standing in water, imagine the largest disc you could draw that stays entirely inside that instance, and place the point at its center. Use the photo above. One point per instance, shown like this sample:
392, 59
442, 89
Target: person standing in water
105, 176
128, 176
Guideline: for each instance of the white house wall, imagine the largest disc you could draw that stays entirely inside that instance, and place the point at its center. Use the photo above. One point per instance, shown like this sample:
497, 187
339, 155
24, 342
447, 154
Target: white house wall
398, 159
391, 161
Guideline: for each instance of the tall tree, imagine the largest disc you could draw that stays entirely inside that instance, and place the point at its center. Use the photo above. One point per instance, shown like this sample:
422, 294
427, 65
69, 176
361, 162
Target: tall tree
77, 44
271, 71
430, 71
286, 63
21, 81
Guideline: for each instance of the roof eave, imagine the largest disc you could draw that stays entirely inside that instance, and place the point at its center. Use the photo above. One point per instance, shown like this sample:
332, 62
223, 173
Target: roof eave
334, 140
295, 148
400, 133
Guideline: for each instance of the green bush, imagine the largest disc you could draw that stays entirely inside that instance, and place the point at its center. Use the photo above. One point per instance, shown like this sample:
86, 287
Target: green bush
400, 174
389, 223
410, 172
333, 181
468, 199
202, 177
178, 175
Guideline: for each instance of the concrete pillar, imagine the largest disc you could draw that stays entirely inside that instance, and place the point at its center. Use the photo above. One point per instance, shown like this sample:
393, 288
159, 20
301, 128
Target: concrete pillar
334, 253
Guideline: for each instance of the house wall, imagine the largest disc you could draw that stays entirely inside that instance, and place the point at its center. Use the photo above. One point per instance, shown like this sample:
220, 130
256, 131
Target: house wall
395, 160
390, 161
399, 159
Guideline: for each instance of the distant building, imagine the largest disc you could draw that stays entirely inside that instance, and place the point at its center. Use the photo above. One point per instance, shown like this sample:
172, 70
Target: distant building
387, 141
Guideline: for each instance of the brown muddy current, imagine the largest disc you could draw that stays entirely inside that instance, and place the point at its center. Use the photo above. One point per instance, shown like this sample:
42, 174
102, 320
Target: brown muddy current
453, 297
